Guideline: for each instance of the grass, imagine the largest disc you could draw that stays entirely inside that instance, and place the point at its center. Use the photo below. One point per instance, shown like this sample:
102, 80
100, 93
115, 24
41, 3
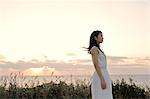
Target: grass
12, 88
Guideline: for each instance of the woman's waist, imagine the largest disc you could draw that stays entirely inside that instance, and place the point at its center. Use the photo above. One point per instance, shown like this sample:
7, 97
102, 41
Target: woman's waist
104, 73
103, 70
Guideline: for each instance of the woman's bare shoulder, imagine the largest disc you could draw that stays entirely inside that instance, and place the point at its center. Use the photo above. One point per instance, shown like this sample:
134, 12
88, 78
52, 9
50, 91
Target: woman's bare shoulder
94, 49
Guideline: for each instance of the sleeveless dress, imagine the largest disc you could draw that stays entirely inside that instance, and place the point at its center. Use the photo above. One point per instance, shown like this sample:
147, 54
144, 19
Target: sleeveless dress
96, 90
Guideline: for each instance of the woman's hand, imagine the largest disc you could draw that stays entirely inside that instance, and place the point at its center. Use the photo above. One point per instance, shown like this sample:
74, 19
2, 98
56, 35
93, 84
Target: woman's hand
103, 83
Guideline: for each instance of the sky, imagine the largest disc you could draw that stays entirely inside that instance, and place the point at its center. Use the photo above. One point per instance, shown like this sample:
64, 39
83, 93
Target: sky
45, 36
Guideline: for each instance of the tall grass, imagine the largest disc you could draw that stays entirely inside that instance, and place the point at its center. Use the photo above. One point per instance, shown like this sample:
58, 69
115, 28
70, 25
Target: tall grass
14, 88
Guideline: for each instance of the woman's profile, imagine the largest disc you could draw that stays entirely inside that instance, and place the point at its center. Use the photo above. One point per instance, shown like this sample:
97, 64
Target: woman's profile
101, 85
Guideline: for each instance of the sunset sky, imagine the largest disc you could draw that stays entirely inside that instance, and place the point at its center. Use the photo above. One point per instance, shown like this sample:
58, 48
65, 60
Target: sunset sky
45, 36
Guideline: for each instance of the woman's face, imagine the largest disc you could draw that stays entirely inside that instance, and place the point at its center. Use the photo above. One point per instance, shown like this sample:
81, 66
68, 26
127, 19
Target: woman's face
99, 38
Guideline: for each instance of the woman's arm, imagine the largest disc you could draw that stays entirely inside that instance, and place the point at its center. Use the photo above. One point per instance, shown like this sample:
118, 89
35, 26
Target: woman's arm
94, 53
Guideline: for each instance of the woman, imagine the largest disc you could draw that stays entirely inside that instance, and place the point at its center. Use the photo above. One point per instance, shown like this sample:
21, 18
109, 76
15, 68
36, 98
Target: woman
101, 85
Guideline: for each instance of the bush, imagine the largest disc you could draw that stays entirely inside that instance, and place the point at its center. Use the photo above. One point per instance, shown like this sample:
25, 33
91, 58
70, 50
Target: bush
62, 90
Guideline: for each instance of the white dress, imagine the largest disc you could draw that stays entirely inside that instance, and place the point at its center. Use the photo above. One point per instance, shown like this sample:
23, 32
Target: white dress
97, 91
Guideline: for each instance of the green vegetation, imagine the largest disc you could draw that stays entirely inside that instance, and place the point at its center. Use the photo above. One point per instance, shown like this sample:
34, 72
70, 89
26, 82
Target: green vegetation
62, 90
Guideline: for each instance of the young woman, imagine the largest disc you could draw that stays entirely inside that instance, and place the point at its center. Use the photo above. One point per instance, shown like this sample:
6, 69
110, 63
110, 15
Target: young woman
101, 85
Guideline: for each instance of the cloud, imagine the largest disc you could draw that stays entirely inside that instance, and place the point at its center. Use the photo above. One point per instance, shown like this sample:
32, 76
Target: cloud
34, 66
7, 71
2, 58
80, 61
75, 67
118, 61
70, 54
42, 71
145, 60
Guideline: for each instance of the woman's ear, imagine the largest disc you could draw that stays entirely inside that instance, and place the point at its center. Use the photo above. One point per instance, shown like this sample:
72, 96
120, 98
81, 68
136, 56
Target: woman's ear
95, 37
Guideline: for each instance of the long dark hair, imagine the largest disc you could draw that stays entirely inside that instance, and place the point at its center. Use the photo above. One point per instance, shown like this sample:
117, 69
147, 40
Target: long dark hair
92, 41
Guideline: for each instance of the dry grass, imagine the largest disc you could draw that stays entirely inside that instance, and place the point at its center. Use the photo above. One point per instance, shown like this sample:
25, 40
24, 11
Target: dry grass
14, 88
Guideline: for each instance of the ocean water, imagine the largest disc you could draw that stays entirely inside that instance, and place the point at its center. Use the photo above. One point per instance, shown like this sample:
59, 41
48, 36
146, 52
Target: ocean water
141, 80
22, 81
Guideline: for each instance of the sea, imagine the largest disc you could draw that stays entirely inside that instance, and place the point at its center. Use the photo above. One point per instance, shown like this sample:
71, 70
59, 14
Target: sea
32, 81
